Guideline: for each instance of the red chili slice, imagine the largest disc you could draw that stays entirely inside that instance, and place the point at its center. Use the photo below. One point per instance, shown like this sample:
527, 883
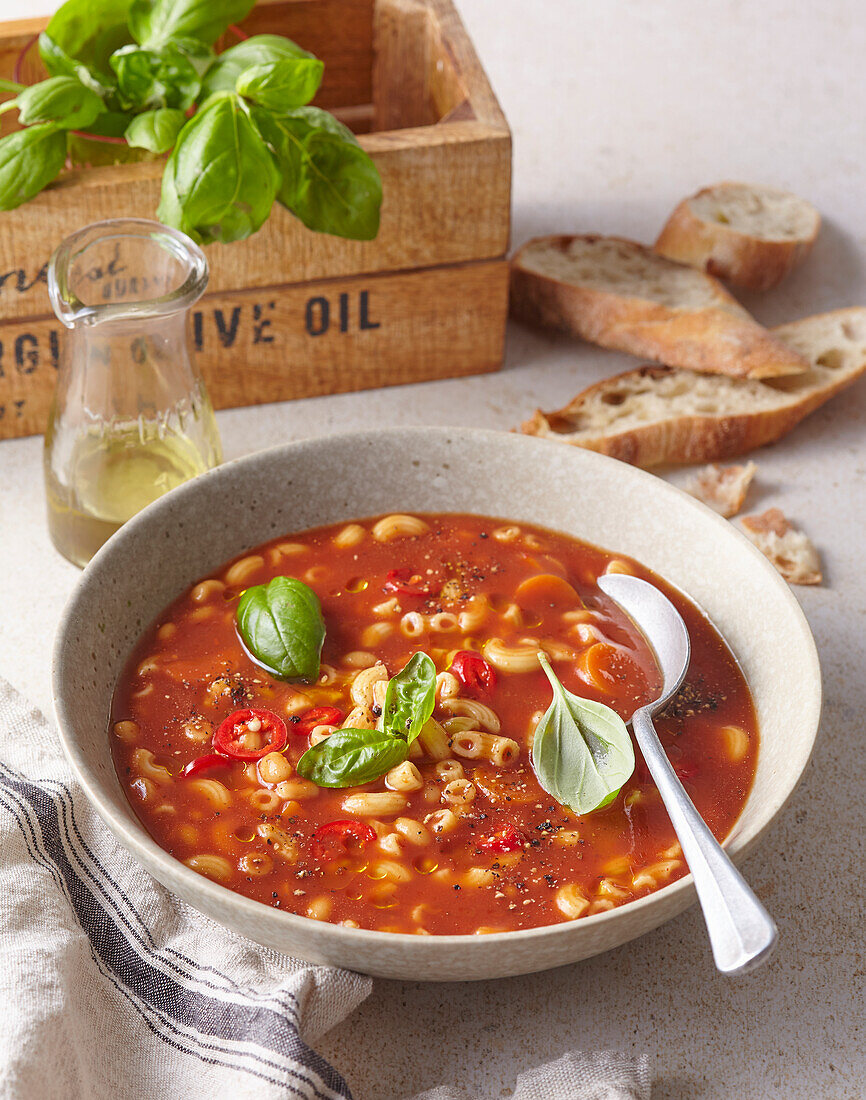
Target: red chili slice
318, 716
400, 581
473, 672
203, 763
341, 833
508, 839
250, 734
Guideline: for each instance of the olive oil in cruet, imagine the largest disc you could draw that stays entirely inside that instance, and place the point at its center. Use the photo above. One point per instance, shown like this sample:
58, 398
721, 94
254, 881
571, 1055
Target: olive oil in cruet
131, 418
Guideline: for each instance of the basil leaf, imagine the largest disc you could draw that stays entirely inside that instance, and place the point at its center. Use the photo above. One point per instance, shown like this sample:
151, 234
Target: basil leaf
29, 159
63, 100
350, 758
220, 181
59, 63
282, 84
581, 752
155, 130
260, 49
328, 181
111, 123
281, 625
153, 22
148, 78
86, 32
410, 698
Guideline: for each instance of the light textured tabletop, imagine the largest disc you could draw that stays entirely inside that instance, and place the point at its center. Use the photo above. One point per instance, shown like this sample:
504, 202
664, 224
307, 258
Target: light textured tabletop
618, 110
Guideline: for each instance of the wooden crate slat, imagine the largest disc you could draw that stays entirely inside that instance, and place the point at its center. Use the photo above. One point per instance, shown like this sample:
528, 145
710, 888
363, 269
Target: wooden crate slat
276, 343
447, 202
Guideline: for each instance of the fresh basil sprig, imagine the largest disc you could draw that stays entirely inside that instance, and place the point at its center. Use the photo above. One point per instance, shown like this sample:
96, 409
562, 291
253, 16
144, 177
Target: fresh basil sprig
410, 698
166, 77
30, 159
220, 181
352, 757
281, 625
156, 130
581, 752
82, 35
328, 181
153, 22
63, 100
253, 137
260, 49
281, 84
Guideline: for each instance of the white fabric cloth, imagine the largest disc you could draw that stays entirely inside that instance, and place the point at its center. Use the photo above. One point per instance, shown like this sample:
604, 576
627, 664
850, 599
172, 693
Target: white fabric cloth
111, 987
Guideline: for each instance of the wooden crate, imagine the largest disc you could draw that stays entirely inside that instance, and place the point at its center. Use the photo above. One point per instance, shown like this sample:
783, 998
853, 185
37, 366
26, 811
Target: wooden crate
288, 312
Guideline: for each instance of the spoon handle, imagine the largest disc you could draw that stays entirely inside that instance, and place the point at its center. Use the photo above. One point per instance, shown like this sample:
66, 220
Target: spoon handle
742, 933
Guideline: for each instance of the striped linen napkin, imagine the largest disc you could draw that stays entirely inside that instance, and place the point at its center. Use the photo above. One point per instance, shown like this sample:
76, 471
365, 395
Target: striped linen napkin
111, 987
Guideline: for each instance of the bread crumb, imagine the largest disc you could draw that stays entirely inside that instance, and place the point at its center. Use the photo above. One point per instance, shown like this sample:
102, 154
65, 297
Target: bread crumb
722, 488
790, 551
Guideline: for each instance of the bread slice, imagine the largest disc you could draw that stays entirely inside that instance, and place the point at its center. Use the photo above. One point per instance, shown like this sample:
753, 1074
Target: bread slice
748, 235
655, 415
623, 295
792, 552
722, 488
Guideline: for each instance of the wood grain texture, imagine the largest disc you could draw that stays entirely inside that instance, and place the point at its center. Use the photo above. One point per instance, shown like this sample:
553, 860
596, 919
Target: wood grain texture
276, 343
402, 34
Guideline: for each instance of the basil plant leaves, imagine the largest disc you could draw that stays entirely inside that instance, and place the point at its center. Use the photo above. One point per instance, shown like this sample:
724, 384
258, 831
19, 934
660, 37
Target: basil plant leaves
281, 625
136, 69
581, 751
352, 757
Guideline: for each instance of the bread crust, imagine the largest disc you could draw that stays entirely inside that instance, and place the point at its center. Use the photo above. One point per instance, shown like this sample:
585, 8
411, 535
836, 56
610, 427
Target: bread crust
684, 440
721, 339
691, 438
728, 253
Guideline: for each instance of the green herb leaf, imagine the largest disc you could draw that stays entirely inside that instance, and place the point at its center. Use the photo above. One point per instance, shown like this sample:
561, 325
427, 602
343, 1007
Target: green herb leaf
111, 123
281, 625
59, 63
63, 100
167, 77
581, 752
350, 758
281, 84
410, 698
85, 33
29, 160
220, 180
328, 181
260, 49
153, 22
155, 130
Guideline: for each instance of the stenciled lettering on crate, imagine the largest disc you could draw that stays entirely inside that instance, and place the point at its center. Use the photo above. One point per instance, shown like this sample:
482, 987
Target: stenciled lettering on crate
294, 341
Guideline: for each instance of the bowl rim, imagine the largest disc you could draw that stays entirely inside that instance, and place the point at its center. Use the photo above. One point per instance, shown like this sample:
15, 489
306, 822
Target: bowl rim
134, 837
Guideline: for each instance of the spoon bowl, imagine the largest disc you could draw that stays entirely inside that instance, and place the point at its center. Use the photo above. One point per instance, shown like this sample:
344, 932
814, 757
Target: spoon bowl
742, 933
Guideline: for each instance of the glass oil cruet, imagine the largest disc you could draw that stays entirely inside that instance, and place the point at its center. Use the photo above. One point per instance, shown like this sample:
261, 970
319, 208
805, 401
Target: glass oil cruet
131, 418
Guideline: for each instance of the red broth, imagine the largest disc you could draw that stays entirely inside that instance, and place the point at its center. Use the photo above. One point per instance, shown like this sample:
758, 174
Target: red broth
470, 843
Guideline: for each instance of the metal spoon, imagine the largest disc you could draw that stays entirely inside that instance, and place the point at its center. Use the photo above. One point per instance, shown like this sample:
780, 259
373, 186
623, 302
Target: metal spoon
741, 931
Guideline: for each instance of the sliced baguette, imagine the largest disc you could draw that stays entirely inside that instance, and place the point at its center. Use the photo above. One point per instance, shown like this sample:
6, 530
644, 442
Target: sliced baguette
747, 235
657, 415
623, 295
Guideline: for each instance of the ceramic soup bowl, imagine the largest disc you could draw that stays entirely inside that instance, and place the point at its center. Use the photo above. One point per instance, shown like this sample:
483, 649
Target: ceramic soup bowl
195, 528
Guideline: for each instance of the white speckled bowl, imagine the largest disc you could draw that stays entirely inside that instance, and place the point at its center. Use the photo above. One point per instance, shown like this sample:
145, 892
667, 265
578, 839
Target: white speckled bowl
198, 526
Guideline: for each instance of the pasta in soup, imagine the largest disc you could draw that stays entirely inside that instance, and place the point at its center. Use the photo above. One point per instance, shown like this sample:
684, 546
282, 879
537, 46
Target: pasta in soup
341, 723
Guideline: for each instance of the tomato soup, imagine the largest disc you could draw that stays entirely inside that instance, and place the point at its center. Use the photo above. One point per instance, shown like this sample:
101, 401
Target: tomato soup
458, 835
